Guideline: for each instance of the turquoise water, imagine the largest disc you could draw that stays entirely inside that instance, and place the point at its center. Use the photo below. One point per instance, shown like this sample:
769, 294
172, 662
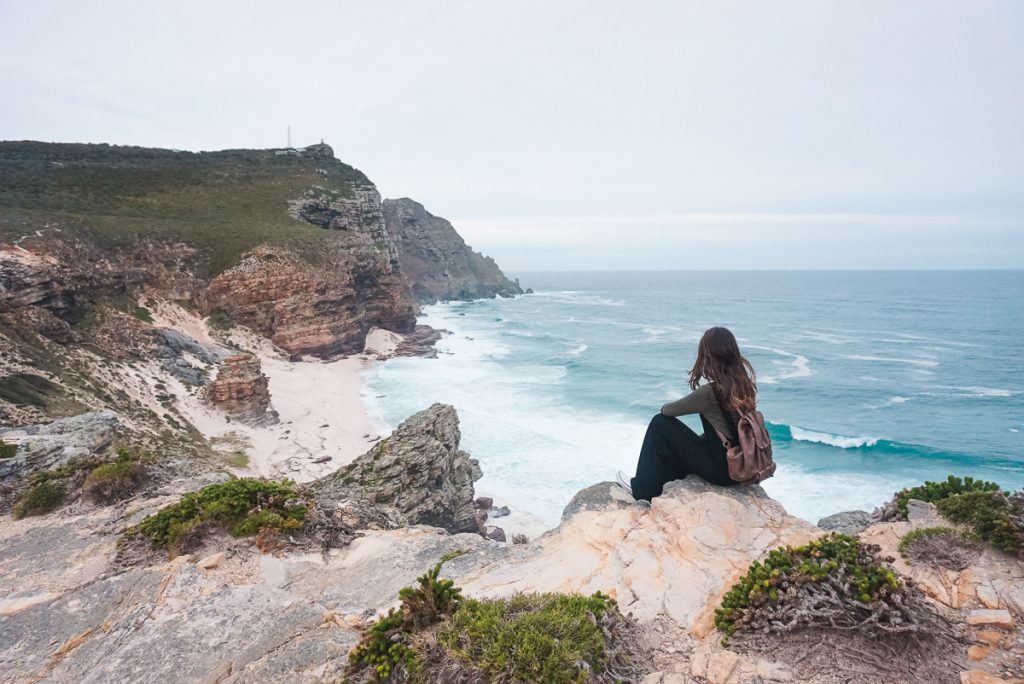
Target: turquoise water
871, 381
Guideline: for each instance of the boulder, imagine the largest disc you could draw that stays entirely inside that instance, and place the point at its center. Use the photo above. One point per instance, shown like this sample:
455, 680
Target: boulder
847, 522
41, 447
416, 476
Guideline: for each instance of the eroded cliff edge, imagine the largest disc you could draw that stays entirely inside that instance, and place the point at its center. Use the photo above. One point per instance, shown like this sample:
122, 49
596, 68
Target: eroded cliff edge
437, 261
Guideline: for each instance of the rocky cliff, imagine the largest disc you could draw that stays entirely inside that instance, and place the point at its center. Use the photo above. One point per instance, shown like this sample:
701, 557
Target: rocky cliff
416, 476
437, 261
292, 245
228, 613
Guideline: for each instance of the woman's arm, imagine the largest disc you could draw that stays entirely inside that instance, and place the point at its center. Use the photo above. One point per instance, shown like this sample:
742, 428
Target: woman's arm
694, 402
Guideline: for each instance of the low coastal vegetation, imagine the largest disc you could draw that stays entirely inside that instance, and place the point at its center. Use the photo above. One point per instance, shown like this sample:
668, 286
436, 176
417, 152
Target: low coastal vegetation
224, 203
992, 515
833, 581
99, 481
8, 450
439, 635
244, 507
115, 481
941, 546
42, 497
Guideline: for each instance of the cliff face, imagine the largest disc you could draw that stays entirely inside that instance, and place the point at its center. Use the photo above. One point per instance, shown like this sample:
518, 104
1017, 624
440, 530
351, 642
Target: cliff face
290, 243
436, 261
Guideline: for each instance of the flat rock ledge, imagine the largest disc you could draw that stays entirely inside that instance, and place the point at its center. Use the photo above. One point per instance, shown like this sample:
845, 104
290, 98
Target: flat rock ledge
675, 559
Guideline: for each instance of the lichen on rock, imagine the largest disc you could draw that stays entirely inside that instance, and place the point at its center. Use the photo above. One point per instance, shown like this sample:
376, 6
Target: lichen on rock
416, 476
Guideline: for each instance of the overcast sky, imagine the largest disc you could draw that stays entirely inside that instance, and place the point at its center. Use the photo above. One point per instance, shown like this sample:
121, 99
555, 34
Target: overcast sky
558, 134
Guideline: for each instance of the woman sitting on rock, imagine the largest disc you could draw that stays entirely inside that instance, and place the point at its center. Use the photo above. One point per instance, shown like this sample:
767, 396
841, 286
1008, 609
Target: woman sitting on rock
671, 450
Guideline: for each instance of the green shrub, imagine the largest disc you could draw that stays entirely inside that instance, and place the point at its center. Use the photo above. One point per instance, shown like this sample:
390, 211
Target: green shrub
220, 319
529, 637
42, 497
437, 635
143, 314
994, 516
934, 492
925, 533
384, 645
238, 459
114, 481
28, 389
242, 506
8, 450
835, 559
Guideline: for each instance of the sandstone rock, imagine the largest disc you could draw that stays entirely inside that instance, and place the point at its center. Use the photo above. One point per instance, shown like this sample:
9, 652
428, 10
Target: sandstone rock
721, 666
211, 561
981, 677
41, 447
484, 502
495, 533
500, 511
994, 618
322, 309
977, 652
417, 475
924, 514
241, 391
847, 522
988, 596
676, 558
437, 261
990, 637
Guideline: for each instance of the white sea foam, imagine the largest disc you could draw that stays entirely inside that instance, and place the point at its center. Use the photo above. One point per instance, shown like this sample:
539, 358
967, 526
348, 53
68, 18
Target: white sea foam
801, 435
578, 349
973, 391
577, 297
898, 400
796, 367
813, 495
924, 363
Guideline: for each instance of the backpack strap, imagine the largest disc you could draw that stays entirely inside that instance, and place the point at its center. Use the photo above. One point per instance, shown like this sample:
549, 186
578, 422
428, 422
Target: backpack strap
728, 419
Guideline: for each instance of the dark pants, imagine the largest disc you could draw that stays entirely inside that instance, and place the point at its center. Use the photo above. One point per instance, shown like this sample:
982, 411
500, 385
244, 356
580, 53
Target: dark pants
671, 451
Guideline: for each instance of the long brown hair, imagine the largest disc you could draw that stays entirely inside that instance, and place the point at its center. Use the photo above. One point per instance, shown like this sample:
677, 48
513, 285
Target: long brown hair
719, 361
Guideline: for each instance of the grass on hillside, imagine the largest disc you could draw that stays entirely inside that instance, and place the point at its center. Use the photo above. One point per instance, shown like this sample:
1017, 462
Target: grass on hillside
224, 203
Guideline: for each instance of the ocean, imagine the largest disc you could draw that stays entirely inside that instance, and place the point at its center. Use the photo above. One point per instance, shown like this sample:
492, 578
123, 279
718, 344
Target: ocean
871, 380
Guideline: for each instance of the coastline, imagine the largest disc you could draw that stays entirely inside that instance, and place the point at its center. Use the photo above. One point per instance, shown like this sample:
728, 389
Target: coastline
323, 424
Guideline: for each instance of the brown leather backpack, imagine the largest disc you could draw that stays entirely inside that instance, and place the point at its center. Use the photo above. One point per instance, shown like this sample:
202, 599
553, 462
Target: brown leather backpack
750, 461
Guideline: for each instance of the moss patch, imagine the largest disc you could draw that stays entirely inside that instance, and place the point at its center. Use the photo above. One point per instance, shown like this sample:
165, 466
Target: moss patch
8, 450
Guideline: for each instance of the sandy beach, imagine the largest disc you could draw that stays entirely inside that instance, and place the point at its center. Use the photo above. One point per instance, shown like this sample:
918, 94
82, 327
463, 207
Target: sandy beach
323, 423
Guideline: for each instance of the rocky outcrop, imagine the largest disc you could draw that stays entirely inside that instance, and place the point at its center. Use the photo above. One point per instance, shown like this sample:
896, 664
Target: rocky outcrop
42, 447
241, 391
416, 476
676, 558
173, 346
322, 309
360, 213
436, 261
